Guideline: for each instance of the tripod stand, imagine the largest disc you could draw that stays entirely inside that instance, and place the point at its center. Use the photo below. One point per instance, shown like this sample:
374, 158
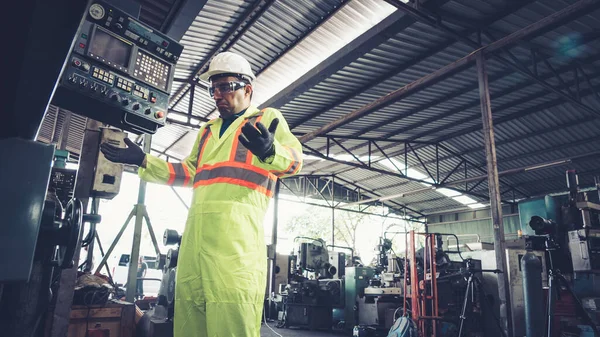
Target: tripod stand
473, 283
555, 280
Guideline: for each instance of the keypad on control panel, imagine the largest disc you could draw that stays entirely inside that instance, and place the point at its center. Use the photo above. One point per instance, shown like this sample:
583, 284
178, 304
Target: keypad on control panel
103, 75
151, 70
124, 84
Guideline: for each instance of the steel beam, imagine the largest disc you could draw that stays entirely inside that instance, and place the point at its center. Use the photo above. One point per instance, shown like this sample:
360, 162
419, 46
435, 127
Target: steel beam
381, 32
517, 67
362, 192
577, 9
387, 172
235, 33
508, 117
495, 200
180, 17
469, 105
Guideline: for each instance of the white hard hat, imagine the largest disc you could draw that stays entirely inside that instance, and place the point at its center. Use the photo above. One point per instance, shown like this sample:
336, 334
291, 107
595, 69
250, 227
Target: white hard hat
229, 63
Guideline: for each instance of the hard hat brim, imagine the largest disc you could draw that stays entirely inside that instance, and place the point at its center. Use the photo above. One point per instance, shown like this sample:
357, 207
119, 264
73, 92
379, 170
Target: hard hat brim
205, 76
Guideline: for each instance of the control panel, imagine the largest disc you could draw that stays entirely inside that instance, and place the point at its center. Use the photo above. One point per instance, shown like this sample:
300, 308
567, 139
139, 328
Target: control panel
119, 71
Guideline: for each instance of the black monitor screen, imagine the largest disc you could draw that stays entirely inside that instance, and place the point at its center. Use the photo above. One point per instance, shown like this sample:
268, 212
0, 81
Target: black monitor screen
110, 48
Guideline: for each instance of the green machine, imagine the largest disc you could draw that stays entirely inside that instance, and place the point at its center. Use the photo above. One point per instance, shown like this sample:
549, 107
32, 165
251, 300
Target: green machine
356, 280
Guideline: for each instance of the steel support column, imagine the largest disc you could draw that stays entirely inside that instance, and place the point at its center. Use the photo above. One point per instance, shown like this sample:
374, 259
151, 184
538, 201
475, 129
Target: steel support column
140, 212
333, 210
494, 189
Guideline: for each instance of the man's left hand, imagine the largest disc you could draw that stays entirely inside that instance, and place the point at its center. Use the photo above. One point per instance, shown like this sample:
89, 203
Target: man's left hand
259, 140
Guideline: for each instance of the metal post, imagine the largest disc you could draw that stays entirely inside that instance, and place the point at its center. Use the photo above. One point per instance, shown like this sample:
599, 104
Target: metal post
494, 190
333, 210
140, 211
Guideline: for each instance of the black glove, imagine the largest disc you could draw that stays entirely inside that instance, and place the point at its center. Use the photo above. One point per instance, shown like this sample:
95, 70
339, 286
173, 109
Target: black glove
133, 154
259, 141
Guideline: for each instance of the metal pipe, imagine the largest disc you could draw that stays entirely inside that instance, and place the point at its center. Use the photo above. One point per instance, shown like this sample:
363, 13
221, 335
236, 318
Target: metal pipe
536, 28
495, 201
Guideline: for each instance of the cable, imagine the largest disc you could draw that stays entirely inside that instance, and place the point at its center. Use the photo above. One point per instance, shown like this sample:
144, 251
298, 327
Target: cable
265, 319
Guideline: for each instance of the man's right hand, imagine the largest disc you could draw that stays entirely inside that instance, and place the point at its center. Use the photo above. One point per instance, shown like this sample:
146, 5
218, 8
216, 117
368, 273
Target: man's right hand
133, 154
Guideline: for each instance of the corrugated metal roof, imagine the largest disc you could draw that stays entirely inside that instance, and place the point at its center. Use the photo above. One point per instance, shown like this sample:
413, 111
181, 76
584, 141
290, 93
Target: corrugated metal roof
290, 42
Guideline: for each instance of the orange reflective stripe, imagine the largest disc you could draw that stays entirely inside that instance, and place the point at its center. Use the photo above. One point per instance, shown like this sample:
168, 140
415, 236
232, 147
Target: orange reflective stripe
178, 174
237, 174
202, 144
294, 165
171, 174
239, 152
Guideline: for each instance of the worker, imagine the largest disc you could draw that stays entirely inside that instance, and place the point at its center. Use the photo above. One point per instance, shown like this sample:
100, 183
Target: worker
233, 168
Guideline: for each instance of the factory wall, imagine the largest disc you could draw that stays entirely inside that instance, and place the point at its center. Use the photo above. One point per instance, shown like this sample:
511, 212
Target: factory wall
474, 225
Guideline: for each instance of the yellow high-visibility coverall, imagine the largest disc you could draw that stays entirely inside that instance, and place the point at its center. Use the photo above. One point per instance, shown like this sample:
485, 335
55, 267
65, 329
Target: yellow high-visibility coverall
222, 264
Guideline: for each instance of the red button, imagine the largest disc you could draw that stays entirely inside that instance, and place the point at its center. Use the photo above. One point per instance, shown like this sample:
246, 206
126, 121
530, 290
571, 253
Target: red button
81, 45
159, 114
153, 99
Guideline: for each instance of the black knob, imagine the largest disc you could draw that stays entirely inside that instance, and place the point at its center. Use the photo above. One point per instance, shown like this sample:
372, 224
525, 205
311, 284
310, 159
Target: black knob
125, 102
135, 106
114, 96
148, 111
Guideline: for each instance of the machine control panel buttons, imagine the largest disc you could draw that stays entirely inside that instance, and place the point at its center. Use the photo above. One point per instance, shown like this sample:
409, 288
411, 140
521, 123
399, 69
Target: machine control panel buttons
135, 106
103, 75
159, 114
124, 84
152, 98
125, 101
148, 111
80, 64
140, 91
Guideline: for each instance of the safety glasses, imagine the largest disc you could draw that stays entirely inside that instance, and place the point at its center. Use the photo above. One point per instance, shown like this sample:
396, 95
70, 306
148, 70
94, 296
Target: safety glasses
225, 87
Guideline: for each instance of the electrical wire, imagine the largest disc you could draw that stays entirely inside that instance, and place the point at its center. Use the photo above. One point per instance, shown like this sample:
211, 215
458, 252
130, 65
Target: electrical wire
268, 326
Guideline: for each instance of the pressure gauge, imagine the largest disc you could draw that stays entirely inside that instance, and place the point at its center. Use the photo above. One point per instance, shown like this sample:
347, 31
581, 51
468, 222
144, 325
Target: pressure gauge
97, 11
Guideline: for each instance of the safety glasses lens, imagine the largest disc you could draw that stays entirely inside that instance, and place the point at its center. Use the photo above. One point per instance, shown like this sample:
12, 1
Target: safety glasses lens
224, 88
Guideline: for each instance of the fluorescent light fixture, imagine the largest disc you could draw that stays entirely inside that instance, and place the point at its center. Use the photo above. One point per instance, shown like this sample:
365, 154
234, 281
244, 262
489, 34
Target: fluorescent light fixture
477, 205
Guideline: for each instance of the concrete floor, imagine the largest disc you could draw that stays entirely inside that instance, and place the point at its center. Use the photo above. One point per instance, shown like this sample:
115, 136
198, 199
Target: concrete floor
266, 332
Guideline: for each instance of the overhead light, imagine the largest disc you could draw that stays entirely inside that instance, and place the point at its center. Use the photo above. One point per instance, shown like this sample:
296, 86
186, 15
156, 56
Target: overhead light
477, 205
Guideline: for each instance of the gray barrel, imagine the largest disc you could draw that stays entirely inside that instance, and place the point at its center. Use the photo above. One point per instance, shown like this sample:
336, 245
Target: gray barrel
533, 295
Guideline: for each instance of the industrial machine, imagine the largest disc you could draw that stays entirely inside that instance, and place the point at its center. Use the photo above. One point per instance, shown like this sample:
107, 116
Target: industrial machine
158, 321
312, 292
39, 235
102, 63
572, 243
119, 71
367, 301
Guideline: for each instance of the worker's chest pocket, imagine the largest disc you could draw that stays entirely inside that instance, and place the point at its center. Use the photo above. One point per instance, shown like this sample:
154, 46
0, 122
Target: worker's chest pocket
227, 233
